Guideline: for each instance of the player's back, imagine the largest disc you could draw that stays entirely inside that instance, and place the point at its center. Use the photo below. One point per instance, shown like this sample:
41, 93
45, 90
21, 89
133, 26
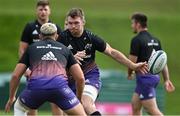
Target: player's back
48, 61
143, 45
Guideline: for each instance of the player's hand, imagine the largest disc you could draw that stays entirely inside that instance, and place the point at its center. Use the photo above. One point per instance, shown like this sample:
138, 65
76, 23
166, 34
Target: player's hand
79, 56
141, 67
27, 73
131, 76
9, 104
169, 86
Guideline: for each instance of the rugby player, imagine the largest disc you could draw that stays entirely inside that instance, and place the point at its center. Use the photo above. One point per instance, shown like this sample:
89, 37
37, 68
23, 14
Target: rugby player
31, 35
84, 44
141, 48
48, 60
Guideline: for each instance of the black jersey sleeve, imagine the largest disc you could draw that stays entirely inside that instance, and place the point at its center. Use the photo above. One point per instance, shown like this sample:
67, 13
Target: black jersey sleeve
71, 60
98, 43
135, 47
159, 47
25, 37
25, 58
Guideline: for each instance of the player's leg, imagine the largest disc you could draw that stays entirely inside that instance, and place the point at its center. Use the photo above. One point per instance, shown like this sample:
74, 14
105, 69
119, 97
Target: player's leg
136, 105
76, 110
147, 93
65, 99
151, 107
88, 100
56, 110
30, 100
32, 112
19, 109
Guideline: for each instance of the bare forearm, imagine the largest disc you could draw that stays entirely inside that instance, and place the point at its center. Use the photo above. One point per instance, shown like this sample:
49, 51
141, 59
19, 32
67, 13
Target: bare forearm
121, 58
165, 73
79, 87
13, 87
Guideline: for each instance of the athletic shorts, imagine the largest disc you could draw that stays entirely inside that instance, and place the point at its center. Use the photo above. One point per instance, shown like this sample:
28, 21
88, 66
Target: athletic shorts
92, 83
62, 97
146, 85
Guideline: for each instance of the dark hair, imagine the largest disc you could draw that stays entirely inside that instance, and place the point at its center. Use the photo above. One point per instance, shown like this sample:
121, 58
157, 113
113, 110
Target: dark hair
140, 18
76, 12
42, 3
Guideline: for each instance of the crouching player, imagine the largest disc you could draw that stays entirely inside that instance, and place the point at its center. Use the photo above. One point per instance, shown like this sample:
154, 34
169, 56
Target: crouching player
48, 61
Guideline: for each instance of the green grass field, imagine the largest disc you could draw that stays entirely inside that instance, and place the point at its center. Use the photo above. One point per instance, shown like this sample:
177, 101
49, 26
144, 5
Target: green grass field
107, 18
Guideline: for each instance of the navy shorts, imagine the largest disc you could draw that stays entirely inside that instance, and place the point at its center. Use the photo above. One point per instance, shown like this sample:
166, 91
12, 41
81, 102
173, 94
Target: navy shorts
62, 97
146, 85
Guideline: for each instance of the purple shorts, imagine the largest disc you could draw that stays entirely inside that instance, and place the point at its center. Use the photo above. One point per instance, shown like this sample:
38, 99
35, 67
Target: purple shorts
62, 97
91, 78
146, 85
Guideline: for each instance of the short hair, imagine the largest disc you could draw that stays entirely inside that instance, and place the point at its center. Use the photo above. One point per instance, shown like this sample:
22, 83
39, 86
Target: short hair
48, 29
140, 18
42, 3
76, 12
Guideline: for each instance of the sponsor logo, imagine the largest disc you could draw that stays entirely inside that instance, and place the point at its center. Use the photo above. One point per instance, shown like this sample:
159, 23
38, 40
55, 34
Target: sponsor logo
88, 47
49, 56
49, 46
36, 40
152, 43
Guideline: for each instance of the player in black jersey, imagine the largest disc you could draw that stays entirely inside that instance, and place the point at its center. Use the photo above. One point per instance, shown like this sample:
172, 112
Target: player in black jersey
31, 35
48, 61
141, 49
84, 44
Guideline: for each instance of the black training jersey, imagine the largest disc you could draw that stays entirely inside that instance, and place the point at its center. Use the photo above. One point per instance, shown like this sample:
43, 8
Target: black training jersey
31, 32
88, 42
142, 46
48, 58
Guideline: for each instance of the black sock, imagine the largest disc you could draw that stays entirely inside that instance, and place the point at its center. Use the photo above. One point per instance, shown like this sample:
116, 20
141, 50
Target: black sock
96, 113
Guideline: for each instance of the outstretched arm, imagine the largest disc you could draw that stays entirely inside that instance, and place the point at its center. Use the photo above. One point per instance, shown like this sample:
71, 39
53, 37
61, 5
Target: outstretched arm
121, 58
130, 71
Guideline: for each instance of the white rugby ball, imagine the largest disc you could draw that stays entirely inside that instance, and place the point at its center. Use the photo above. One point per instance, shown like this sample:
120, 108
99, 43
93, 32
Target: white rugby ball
157, 61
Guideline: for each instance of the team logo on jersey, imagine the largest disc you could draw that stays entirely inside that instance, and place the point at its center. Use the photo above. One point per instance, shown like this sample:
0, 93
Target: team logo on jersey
35, 32
49, 56
70, 46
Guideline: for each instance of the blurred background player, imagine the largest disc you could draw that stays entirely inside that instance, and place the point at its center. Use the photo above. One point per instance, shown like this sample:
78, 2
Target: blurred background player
48, 61
84, 44
31, 35
142, 46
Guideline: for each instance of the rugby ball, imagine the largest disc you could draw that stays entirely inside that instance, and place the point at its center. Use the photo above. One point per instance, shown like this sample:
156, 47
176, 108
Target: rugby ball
157, 61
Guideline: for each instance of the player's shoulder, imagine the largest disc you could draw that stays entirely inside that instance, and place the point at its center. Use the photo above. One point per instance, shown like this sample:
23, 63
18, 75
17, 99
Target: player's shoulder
32, 23
89, 33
